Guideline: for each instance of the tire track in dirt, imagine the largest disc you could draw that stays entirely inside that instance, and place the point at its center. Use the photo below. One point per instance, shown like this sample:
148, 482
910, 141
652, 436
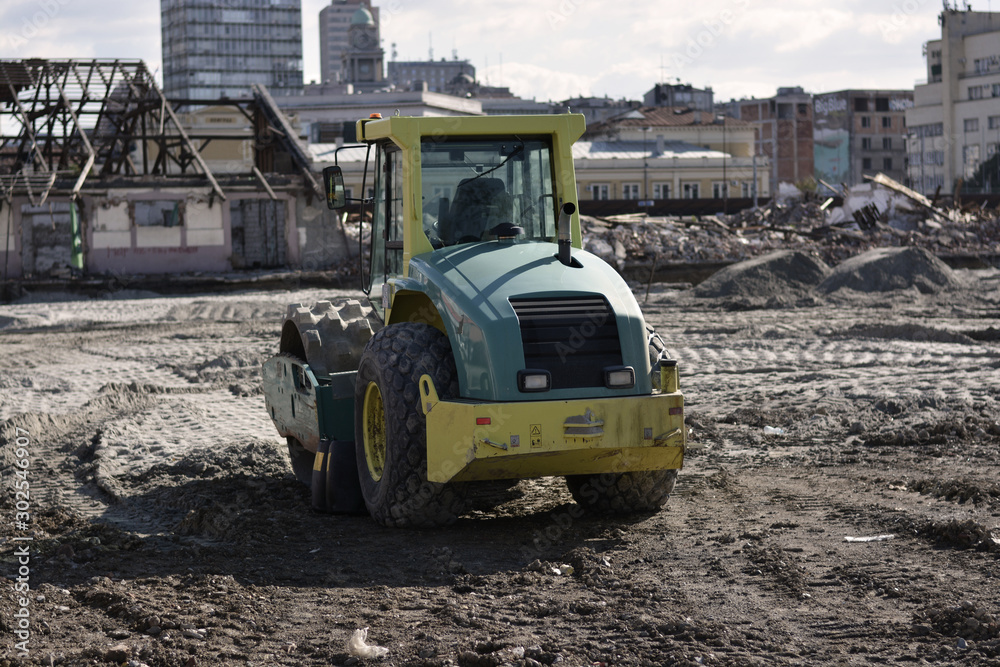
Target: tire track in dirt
792, 550
720, 576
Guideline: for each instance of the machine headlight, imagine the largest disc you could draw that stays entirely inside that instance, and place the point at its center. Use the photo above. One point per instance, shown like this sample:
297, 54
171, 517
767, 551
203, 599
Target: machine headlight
619, 377
534, 380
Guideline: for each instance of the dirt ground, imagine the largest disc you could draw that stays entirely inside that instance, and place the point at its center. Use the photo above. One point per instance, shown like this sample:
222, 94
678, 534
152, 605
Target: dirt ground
839, 503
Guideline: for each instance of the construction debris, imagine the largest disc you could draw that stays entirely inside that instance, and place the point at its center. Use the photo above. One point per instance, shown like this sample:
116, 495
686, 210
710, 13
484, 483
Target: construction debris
882, 213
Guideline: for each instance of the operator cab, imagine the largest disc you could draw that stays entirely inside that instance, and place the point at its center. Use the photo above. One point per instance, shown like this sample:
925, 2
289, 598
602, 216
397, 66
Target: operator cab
481, 189
472, 189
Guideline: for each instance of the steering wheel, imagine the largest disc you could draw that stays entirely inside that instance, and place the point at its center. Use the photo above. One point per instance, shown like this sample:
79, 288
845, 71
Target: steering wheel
507, 229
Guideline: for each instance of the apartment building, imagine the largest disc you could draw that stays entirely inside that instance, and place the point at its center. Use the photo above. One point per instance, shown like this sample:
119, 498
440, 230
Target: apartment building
858, 133
213, 50
784, 126
955, 120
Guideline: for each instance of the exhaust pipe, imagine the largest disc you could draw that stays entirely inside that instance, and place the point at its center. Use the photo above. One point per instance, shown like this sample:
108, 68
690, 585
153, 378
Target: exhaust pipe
565, 236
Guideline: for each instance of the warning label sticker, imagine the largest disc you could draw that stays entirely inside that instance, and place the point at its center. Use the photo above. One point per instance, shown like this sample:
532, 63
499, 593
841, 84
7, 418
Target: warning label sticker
536, 435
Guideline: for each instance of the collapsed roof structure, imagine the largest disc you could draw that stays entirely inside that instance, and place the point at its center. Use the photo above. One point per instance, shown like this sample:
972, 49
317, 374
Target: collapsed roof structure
64, 123
101, 173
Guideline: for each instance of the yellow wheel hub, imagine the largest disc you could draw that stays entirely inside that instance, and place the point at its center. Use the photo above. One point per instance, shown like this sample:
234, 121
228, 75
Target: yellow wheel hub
374, 431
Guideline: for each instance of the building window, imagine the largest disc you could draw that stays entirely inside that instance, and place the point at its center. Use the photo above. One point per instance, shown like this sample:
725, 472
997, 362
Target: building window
690, 190
866, 143
861, 104
991, 150
971, 124
802, 109
996, 90
661, 190
887, 143
933, 130
887, 164
970, 158
881, 104
719, 190
866, 121
994, 122
630, 191
866, 163
158, 213
886, 121
975, 92
745, 189
599, 191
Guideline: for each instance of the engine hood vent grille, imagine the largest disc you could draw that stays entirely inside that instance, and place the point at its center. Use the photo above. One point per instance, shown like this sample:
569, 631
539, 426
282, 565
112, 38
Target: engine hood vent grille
573, 337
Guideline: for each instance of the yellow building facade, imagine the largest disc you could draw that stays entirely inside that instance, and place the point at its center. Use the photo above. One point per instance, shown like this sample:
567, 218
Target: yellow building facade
658, 153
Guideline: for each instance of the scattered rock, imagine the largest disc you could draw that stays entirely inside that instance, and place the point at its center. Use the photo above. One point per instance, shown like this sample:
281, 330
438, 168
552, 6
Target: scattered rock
118, 653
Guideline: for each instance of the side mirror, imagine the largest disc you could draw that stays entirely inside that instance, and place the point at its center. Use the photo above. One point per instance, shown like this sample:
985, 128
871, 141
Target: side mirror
333, 184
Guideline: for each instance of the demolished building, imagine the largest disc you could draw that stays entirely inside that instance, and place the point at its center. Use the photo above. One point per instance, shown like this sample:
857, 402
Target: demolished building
101, 174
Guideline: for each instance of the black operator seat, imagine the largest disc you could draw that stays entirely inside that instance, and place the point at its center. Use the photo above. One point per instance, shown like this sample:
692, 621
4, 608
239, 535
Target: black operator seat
479, 205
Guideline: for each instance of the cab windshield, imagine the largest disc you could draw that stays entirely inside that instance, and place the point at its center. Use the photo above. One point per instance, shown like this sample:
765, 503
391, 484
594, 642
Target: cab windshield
477, 190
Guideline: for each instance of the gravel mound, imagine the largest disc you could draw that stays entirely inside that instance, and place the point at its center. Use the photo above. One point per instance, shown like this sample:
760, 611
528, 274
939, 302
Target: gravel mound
887, 269
909, 331
775, 274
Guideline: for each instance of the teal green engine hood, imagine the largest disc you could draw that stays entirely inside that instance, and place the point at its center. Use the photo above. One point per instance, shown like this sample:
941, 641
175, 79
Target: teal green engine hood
472, 285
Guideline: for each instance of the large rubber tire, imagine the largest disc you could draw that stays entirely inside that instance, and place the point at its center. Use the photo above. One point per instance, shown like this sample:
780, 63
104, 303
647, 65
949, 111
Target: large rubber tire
622, 492
330, 337
390, 428
656, 347
627, 492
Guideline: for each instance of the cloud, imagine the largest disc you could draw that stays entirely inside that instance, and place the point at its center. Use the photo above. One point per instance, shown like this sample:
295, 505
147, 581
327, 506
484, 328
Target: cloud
545, 84
553, 49
79, 29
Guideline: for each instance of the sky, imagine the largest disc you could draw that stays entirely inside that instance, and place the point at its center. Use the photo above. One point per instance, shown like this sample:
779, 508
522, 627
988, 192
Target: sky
558, 49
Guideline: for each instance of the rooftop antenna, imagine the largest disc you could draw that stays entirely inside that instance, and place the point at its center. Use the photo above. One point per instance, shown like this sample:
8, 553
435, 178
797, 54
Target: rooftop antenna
395, 53
430, 46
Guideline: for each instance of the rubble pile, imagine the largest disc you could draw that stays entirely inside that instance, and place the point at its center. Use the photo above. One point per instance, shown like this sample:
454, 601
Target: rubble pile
966, 619
873, 215
887, 269
789, 272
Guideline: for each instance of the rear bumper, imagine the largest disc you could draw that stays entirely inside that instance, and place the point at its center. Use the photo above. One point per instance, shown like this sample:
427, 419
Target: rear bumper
469, 441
